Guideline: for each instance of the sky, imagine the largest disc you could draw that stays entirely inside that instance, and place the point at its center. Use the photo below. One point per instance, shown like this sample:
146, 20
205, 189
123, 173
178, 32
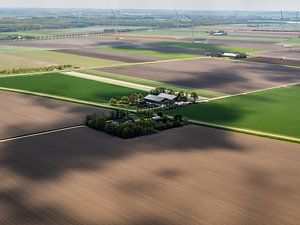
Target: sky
262, 5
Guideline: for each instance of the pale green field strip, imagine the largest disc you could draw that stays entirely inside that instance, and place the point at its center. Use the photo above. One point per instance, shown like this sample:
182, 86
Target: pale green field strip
70, 59
151, 83
110, 81
101, 105
247, 131
147, 52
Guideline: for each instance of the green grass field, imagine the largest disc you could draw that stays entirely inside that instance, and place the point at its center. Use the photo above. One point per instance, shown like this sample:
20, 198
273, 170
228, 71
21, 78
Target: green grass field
152, 83
66, 86
207, 47
276, 111
135, 50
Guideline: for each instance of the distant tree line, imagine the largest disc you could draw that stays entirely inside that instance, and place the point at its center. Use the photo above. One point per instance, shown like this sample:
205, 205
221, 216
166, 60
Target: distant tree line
33, 70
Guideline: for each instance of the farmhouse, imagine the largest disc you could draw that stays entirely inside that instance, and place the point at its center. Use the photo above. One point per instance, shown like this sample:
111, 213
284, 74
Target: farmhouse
154, 99
168, 96
160, 99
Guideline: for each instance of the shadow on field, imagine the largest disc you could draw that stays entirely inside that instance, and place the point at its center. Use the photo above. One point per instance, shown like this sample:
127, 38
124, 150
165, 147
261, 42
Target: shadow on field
50, 156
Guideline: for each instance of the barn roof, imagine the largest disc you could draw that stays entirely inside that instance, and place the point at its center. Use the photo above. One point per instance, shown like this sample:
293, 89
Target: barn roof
154, 98
167, 96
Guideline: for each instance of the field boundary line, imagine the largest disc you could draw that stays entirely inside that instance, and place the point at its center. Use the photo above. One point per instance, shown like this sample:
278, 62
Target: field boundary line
40, 133
73, 100
109, 81
253, 92
247, 131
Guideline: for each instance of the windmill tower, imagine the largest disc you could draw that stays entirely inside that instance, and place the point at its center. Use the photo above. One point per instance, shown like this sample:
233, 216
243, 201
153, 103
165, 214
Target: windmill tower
193, 20
282, 26
177, 19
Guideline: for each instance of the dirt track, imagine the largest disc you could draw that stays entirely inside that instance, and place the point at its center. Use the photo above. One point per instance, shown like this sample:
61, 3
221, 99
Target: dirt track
187, 176
231, 77
22, 114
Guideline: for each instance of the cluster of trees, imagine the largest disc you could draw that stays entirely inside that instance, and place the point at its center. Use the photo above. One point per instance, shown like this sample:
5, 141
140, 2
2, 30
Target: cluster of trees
182, 96
33, 70
119, 124
132, 99
111, 126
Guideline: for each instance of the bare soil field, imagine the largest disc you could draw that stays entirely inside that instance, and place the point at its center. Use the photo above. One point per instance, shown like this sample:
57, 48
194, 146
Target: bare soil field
230, 77
260, 45
278, 61
187, 176
116, 56
23, 114
65, 43
286, 54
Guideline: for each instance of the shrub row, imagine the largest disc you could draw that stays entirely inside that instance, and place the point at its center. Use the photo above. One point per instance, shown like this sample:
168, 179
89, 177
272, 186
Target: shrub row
33, 70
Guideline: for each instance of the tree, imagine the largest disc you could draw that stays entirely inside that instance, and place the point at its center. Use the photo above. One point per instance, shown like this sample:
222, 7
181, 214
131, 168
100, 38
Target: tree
100, 123
194, 95
113, 101
125, 99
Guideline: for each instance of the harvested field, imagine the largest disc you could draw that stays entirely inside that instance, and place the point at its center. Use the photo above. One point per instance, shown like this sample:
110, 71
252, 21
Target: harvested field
178, 177
224, 76
278, 61
260, 45
10, 61
23, 114
116, 56
286, 54
69, 43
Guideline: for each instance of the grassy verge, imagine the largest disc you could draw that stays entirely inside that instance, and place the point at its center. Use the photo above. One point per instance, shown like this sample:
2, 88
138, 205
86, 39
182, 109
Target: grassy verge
276, 111
66, 86
151, 83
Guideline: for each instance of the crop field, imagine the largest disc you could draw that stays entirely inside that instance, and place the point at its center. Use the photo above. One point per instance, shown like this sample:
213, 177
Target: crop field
284, 53
152, 83
180, 176
275, 111
218, 75
105, 53
62, 58
23, 114
66, 86
140, 52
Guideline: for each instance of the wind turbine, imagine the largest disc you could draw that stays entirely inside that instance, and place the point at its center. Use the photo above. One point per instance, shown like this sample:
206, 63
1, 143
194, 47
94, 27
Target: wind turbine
297, 20
282, 26
116, 21
235, 17
177, 19
193, 25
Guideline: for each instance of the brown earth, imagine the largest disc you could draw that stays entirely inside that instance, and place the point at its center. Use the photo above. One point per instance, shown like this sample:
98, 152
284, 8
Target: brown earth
186, 176
116, 56
286, 54
231, 77
259, 45
278, 61
23, 114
